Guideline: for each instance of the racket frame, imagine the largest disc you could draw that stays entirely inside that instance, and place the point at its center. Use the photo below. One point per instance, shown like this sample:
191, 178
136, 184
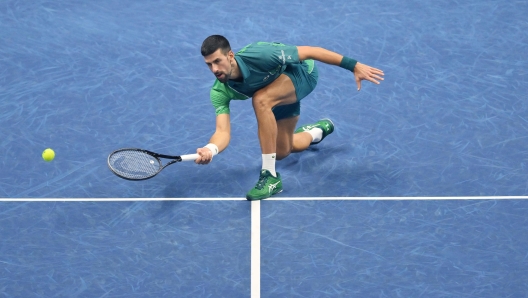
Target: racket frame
157, 156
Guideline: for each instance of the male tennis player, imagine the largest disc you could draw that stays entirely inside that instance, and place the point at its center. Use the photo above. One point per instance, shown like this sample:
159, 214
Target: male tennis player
277, 77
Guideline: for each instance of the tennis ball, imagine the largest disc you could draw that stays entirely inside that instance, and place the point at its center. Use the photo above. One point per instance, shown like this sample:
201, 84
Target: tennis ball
48, 154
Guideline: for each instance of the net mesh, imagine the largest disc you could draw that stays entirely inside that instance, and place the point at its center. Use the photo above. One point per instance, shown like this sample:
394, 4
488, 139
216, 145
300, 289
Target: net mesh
132, 164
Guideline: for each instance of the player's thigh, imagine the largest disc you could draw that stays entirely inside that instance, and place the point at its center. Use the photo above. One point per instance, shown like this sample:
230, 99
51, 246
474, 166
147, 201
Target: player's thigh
285, 129
279, 92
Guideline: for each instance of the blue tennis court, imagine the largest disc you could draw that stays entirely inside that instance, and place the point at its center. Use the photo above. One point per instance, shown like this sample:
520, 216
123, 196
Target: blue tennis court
420, 191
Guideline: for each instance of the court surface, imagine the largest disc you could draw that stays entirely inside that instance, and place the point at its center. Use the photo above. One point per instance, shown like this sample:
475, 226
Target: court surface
420, 192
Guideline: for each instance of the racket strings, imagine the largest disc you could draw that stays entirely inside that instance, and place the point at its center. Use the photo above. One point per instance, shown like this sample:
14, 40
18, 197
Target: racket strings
134, 164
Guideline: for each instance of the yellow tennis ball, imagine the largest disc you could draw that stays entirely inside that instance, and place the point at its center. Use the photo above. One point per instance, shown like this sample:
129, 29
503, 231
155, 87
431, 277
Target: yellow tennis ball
48, 154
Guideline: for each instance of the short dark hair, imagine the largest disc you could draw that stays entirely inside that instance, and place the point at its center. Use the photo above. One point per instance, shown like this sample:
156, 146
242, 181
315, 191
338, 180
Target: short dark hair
214, 42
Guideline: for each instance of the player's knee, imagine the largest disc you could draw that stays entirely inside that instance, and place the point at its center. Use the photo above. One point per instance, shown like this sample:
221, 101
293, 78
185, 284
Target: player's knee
283, 153
261, 101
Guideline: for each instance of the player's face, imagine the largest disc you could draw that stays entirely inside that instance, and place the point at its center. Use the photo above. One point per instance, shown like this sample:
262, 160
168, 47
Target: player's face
221, 65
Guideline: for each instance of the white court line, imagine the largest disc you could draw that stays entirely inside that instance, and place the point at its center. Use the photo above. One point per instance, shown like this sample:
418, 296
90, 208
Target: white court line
270, 199
255, 249
115, 199
398, 198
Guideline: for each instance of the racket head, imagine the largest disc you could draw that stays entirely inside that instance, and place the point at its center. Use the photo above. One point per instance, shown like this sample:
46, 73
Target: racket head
134, 164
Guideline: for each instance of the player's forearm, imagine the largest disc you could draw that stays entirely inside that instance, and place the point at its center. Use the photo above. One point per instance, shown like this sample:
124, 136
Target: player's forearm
221, 140
319, 54
326, 56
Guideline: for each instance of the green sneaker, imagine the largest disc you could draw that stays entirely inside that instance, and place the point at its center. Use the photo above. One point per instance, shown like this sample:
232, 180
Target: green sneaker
267, 186
324, 124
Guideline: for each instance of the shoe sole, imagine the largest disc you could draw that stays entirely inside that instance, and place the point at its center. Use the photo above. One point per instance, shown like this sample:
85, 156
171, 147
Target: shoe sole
257, 199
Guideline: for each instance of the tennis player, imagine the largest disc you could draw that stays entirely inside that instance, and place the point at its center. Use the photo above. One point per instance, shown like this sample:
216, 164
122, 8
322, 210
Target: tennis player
277, 77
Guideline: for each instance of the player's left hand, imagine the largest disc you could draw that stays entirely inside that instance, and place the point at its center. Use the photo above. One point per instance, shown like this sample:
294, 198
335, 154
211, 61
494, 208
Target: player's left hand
365, 72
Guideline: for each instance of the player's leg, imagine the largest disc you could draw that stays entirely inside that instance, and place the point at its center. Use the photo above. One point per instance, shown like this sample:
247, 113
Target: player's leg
317, 131
276, 127
278, 93
290, 140
287, 141
284, 94
287, 117
276, 133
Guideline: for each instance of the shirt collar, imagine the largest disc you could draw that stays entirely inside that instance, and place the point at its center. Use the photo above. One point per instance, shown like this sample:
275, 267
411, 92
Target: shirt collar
243, 67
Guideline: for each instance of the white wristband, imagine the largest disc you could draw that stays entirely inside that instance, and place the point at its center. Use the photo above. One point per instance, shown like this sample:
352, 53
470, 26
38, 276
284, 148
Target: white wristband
213, 148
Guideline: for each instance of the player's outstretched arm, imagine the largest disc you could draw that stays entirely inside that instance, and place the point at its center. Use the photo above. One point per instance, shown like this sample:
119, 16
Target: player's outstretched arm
361, 71
218, 142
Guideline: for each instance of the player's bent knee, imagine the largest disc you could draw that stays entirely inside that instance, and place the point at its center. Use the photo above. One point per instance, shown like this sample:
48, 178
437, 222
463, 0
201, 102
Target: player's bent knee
261, 102
282, 154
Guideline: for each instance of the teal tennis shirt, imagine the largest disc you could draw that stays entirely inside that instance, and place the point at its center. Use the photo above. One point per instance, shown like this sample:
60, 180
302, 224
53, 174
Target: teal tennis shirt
260, 64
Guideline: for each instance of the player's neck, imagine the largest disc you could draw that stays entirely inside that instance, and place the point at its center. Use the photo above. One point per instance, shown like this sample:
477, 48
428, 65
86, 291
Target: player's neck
236, 75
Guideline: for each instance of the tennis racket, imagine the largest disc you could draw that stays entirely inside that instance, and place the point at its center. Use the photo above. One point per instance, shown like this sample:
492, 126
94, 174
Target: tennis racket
139, 164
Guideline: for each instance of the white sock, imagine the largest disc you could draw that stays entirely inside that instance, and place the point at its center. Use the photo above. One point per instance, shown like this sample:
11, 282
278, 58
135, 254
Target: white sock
317, 134
268, 163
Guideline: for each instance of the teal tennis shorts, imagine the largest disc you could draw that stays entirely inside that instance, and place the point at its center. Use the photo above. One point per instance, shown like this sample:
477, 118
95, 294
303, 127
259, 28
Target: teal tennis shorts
304, 77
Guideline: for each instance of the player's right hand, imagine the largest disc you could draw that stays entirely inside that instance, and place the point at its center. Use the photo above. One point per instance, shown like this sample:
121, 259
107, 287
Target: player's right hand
365, 72
206, 156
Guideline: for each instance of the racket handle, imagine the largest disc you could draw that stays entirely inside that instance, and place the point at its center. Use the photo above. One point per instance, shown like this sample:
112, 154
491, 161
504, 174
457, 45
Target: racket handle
189, 157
